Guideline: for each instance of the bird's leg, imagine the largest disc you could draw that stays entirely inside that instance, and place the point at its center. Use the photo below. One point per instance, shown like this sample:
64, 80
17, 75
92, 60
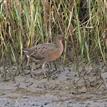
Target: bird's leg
52, 66
49, 66
28, 65
55, 66
44, 69
28, 59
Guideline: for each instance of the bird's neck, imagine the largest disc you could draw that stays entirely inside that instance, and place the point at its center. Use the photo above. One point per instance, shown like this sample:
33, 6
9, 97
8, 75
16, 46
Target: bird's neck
59, 44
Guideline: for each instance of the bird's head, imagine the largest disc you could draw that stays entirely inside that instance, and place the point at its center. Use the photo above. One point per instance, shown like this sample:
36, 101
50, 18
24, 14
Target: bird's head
60, 37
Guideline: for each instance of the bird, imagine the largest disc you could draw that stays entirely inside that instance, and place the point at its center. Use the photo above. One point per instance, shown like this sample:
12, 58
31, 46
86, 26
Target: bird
46, 52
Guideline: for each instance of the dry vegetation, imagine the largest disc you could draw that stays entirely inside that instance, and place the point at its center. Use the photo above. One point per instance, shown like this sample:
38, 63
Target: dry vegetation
24, 23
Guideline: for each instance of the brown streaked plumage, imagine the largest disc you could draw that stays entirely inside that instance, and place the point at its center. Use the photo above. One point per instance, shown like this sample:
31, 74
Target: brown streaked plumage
45, 52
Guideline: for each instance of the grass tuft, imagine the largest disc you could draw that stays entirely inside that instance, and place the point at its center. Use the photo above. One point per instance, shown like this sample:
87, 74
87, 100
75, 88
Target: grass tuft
24, 23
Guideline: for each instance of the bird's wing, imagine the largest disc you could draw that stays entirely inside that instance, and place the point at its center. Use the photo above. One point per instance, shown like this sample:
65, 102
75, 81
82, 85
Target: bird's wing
41, 51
